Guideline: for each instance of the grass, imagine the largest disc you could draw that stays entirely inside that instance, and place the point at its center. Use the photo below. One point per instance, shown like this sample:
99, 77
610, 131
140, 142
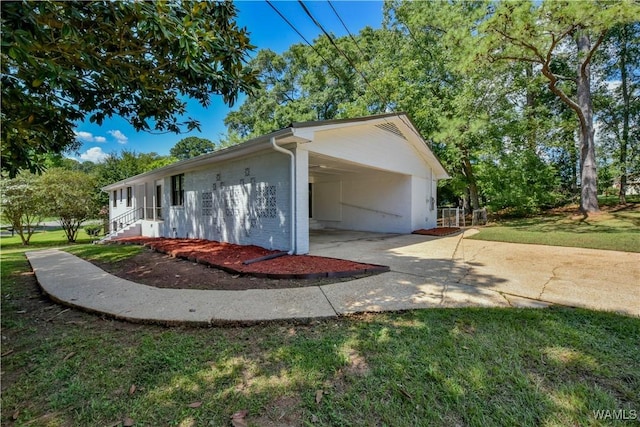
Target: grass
612, 230
105, 253
443, 367
43, 239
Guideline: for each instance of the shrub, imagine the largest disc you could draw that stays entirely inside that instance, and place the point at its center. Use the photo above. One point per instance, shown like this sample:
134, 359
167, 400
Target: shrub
93, 230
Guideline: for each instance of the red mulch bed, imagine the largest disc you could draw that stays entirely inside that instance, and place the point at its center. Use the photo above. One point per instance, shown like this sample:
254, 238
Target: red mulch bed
442, 231
230, 257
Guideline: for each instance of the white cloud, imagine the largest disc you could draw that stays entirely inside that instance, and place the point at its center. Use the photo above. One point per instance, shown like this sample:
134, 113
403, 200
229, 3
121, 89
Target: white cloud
88, 137
84, 136
119, 136
94, 154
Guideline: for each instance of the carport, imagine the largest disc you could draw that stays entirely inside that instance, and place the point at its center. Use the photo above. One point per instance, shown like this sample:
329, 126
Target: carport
350, 196
374, 175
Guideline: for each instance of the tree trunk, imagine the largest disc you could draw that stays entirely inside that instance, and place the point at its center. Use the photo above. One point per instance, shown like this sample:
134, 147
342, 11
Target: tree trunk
530, 112
573, 156
588, 175
471, 183
622, 195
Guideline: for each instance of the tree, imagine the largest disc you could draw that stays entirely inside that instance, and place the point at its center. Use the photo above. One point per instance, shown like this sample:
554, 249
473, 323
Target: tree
71, 196
304, 83
539, 34
619, 99
23, 204
457, 106
127, 163
63, 62
191, 146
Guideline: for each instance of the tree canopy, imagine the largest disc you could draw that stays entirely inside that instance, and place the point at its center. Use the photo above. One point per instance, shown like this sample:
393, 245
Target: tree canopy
24, 204
569, 31
192, 146
499, 89
71, 197
68, 61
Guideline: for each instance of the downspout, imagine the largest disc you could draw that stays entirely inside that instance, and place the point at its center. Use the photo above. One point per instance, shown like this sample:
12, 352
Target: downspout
293, 193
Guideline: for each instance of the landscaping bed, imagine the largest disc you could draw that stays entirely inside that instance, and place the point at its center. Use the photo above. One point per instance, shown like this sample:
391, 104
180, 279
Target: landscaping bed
441, 231
235, 259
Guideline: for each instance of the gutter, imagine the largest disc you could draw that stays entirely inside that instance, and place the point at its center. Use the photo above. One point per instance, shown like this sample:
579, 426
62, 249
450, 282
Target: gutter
293, 192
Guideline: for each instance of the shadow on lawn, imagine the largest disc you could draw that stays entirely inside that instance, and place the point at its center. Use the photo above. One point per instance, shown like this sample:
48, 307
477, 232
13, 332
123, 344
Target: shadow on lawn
471, 366
561, 223
436, 367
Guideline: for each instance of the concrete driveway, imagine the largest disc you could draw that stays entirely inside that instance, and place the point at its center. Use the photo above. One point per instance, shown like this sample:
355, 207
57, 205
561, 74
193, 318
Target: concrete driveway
426, 272
453, 271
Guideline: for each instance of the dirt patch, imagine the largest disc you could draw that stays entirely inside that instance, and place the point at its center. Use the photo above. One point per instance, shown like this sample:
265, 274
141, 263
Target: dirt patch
254, 260
284, 411
164, 271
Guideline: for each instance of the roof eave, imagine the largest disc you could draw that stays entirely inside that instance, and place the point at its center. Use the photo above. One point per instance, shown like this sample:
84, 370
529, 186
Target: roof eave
252, 145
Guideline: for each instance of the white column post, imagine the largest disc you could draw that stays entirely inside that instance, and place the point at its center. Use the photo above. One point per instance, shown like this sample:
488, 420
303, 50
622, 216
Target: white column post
302, 200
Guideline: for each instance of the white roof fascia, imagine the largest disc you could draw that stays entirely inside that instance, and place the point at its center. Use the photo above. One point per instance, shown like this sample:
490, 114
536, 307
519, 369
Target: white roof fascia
421, 146
247, 147
298, 132
399, 119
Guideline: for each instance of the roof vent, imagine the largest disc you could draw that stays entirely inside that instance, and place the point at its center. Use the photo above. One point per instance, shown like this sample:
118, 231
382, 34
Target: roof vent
391, 127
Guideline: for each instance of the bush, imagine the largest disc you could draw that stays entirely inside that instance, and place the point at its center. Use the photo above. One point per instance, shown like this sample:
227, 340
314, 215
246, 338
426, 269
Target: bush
519, 183
93, 230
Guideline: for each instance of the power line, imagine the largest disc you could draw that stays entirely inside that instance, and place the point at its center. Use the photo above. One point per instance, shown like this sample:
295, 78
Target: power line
363, 54
382, 98
416, 40
337, 74
319, 25
345, 27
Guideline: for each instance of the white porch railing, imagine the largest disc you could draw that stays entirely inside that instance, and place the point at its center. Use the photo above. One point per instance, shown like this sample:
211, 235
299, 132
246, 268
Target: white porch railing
122, 221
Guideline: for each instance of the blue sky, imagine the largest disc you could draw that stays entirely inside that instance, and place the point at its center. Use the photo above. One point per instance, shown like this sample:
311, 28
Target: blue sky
267, 30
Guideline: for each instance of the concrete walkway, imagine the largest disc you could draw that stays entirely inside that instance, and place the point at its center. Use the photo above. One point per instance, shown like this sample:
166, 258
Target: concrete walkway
425, 272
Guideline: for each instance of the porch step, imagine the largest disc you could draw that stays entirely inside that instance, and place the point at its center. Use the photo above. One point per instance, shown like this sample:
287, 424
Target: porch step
131, 230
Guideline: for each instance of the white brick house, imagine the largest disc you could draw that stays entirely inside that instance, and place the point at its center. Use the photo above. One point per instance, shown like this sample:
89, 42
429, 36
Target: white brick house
371, 173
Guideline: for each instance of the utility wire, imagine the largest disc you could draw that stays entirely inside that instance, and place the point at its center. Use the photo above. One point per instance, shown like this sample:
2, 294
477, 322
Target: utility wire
319, 25
363, 54
345, 27
335, 72
387, 103
416, 40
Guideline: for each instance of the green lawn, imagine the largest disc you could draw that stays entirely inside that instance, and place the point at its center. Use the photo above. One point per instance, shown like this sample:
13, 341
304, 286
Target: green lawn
618, 231
42, 239
477, 367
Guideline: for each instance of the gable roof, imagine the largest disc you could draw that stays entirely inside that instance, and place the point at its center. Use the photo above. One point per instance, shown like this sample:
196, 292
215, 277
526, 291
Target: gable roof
398, 123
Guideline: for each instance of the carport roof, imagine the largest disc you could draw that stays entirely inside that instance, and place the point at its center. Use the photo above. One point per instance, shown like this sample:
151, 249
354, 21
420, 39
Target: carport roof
285, 135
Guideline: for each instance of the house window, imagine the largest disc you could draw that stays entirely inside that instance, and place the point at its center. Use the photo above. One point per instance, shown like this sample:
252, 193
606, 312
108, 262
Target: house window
177, 190
115, 198
129, 196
